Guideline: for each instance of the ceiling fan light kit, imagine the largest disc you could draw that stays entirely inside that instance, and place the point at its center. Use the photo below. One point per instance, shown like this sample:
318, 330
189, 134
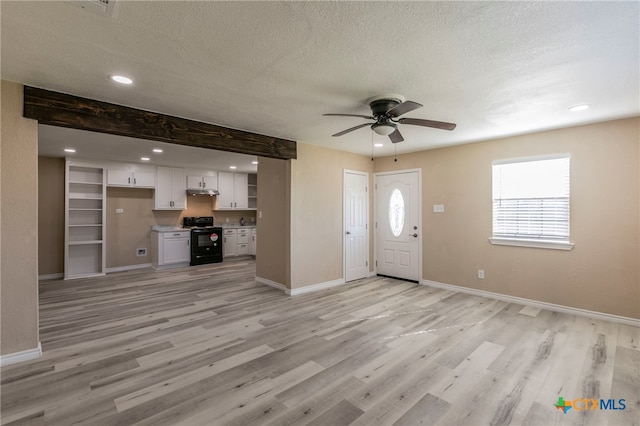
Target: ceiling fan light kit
386, 110
384, 129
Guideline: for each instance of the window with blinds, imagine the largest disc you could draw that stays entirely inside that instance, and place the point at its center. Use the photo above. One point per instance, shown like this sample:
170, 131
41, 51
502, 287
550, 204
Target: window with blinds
531, 198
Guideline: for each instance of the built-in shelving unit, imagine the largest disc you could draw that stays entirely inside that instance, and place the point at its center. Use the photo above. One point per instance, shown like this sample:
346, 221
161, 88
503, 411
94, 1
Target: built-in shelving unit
85, 217
252, 189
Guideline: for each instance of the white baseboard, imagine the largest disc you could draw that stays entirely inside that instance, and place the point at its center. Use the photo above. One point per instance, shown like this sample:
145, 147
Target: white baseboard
21, 356
127, 268
273, 284
300, 290
46, 277
315, 287
537, 304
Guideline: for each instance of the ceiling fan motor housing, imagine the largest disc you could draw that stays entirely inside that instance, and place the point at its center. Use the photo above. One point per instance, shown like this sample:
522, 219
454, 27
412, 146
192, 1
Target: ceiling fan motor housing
379, 107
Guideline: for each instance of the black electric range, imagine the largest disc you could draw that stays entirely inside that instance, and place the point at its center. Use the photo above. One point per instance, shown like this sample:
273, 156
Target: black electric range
206, 240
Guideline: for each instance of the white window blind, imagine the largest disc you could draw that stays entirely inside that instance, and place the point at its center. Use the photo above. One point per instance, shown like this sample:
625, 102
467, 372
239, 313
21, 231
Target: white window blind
531, 198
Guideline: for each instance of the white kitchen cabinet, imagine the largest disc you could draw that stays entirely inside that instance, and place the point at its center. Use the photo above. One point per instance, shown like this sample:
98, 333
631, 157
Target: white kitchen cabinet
234, 193
171, 189
128, 178
202, 182
85, 219
244, 239
171, 249
229, 243
253, 243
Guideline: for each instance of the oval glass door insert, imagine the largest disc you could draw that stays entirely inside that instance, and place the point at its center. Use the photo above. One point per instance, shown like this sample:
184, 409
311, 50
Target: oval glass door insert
396, 212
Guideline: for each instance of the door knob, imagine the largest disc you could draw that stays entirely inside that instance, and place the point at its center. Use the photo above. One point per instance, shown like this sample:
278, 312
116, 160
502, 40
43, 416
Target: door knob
413, 235
348, 233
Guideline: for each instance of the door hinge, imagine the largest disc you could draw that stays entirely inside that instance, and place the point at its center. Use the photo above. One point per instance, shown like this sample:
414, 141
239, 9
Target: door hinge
376, 263
366, 263
376, 185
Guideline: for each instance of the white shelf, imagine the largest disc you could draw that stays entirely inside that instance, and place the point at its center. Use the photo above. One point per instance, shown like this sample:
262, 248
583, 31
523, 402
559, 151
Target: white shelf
85, 219
77, 182
80, 243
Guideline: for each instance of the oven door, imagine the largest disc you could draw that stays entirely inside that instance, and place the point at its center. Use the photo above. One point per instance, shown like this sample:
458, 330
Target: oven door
206, 246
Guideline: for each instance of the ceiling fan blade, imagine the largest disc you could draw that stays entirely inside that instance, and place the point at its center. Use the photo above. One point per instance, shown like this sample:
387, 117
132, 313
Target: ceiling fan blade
352, 129
396, 136
403, 108
350, 115
428, 123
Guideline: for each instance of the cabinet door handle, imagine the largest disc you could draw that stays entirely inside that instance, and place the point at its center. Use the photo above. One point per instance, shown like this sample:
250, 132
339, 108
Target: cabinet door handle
204, 184
128, 180
134, 181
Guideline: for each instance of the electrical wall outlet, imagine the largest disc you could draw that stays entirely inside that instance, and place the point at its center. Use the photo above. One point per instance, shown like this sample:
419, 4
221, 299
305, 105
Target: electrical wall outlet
438, 208
141, 251
481, 274
119, 210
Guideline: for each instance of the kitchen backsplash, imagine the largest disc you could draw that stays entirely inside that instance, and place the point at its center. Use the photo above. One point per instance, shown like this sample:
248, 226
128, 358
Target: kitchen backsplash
200, 205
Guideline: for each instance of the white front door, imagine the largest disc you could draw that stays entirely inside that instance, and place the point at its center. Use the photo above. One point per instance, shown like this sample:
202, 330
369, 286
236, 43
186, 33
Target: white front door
398, 224
356, 218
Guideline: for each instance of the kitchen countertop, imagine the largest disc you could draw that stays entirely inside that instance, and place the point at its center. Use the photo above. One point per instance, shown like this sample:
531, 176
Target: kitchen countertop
160, 228
163, 228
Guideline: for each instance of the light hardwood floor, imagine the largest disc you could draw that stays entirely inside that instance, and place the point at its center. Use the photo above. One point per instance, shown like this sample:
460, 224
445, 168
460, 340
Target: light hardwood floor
208, 346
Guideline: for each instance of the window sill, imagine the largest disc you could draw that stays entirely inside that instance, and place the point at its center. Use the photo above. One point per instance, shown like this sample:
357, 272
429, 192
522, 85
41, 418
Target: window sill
554, 245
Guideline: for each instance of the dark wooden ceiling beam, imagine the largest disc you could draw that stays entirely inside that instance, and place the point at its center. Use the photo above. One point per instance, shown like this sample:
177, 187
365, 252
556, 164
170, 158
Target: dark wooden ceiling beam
60, 109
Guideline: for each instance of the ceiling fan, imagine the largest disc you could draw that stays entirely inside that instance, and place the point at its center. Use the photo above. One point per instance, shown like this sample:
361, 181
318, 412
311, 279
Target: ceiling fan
386, 110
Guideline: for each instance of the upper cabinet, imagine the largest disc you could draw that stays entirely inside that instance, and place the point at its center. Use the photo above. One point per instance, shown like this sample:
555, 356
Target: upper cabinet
171, 189
130, 178
203, 182
234, 193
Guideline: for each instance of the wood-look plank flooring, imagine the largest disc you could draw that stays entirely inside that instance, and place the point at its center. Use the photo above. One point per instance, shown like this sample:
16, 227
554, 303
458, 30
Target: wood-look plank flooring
208, 346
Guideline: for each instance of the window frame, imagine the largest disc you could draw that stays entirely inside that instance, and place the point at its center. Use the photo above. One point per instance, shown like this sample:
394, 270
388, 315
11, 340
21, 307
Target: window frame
531, 242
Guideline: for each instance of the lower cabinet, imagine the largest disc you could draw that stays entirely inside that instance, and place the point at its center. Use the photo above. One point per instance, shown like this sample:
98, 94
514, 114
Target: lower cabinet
229, 243
254, 242
171, 249
244, 236
239, 242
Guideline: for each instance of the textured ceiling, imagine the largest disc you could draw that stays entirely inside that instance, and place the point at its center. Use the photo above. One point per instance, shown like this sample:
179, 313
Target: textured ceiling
494, 68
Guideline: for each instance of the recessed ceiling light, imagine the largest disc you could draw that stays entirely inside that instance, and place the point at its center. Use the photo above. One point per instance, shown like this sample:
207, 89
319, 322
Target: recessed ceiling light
157, 150
378, 145
233, 167
145, 158
69, 150
121, 79
577, 108
254, 162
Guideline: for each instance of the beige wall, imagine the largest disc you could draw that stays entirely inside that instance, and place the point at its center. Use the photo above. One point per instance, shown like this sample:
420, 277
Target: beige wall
19, 224
317, 231
50, 215
273, 248
601, 273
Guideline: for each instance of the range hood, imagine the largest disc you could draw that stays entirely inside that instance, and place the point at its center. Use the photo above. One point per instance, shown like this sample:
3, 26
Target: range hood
210, 192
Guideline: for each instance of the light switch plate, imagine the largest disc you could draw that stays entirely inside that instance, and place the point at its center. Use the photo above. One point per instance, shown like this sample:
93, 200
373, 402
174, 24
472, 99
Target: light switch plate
438, 208
119, 210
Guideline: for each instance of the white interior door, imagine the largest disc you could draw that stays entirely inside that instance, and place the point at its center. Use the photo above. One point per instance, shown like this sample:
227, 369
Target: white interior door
398, 224
356, 225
